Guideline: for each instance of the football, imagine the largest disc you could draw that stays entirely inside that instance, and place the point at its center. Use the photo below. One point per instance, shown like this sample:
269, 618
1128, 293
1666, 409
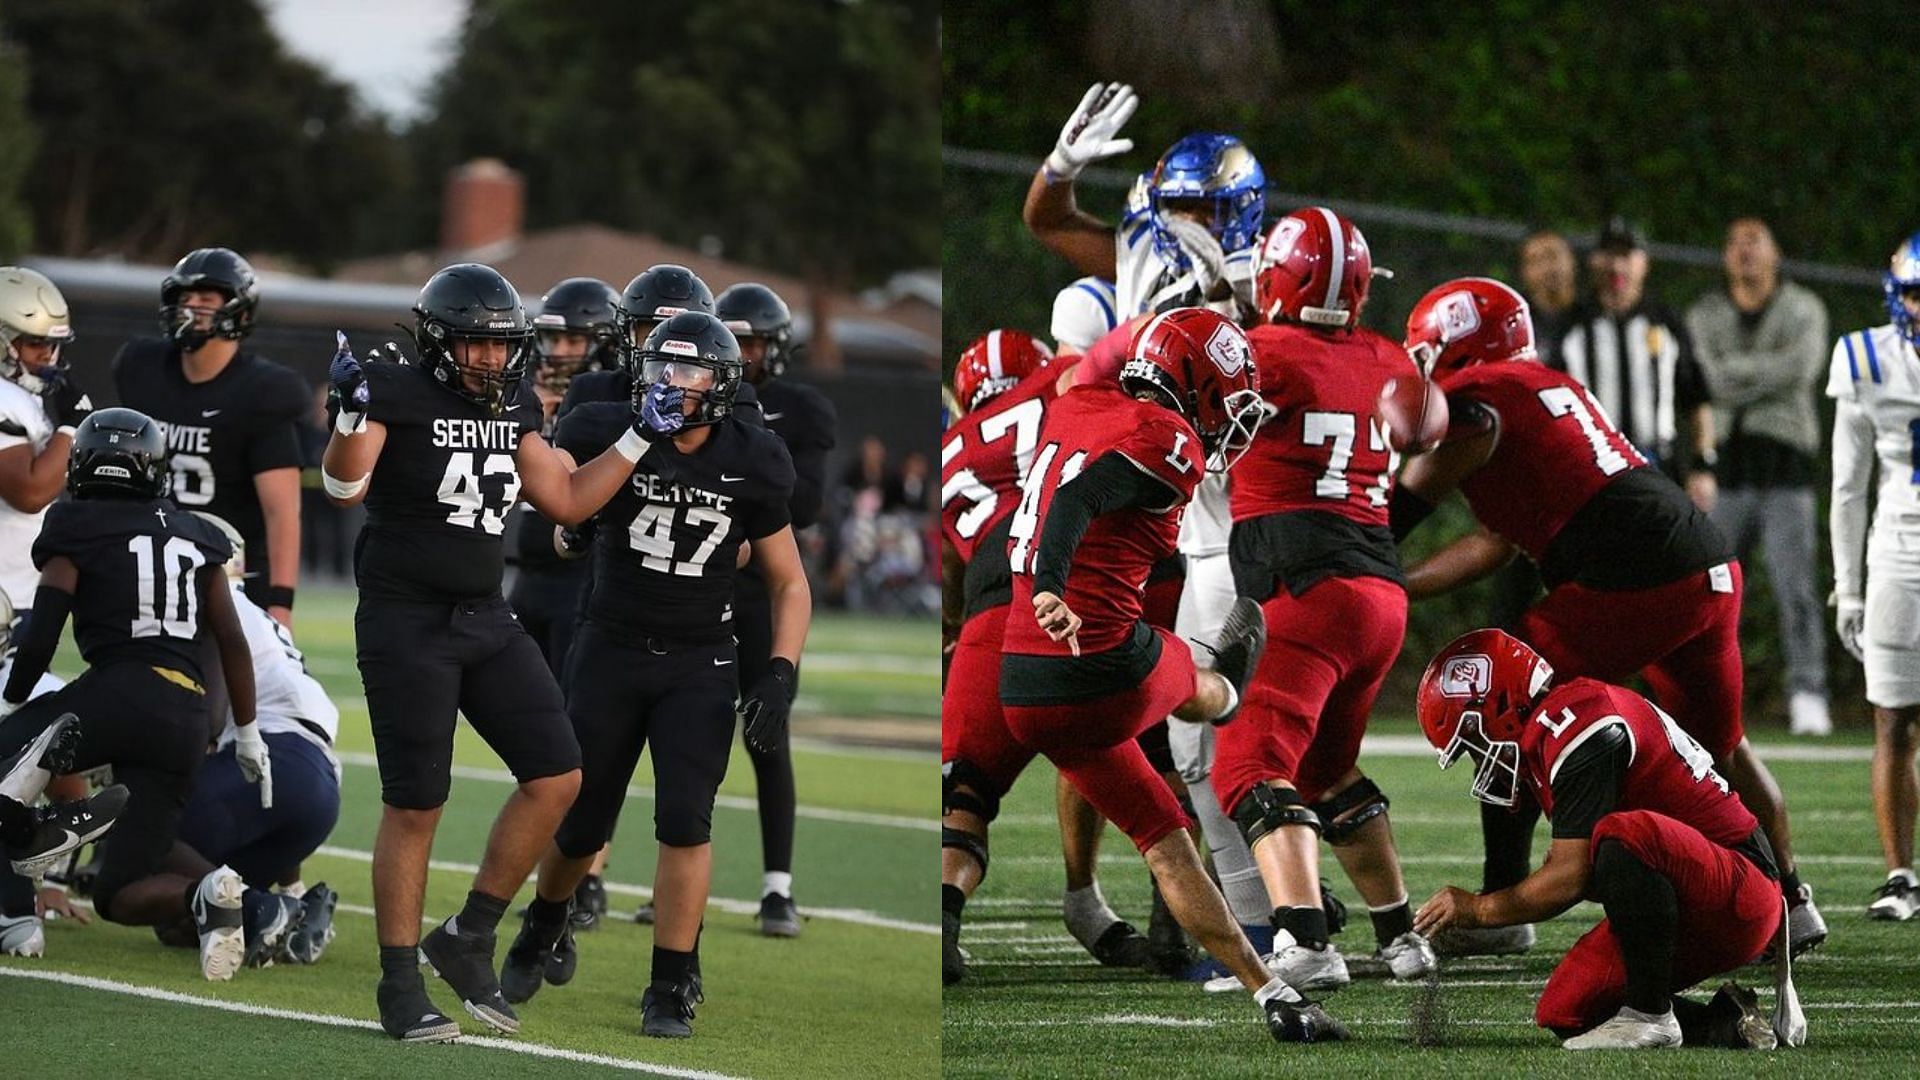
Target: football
1414, 413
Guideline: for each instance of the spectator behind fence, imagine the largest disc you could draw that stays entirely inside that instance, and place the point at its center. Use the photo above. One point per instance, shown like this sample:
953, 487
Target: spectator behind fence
1762, 344
1633, 354
1549, 278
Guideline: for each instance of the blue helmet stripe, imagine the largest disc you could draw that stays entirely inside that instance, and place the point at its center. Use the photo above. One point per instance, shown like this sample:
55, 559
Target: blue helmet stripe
1106, 305
1853, 362
1873, 358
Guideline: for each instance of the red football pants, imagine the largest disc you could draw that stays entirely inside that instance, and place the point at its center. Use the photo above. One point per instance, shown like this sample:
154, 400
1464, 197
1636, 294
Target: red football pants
1729, 911
1682, 637
1328, 650
973, 728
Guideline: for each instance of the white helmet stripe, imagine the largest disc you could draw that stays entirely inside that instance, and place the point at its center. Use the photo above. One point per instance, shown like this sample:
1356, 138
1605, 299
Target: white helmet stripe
1140, 342
993, 355
1338, 263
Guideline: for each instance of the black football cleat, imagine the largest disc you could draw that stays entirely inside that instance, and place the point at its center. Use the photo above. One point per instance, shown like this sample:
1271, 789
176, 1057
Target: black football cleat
953, 962
1171, 951
60, 829
1120, 945
565, 957
407, 1013
589, 902
778, 916
525, 968
1243, 637
269, 925
1302, 1022
644, 916
666, 1010
465, 961
24, 774
310, 939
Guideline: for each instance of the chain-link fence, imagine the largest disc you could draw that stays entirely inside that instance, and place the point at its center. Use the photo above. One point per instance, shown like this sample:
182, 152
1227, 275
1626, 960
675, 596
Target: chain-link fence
997, 274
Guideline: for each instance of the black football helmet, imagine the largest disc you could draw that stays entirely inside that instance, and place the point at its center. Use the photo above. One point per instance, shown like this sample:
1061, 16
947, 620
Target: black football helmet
472, 301
752, 310
659, 293
117, 454
696, 339
579, 305
209, 268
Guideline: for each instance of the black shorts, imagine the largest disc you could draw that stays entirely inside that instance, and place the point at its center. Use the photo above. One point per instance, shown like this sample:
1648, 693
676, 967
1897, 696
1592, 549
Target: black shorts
548, 602
624, 698
419, 662
152, 728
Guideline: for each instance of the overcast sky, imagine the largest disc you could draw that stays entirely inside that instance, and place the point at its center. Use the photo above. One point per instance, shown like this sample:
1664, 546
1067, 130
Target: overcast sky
388, 50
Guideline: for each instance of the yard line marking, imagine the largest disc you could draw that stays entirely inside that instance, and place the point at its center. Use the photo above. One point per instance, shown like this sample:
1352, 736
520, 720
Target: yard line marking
731, 802
736, 907
154, 993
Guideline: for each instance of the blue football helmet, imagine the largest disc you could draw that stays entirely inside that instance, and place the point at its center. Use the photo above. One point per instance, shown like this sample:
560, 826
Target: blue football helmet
1220, 169
1902, 275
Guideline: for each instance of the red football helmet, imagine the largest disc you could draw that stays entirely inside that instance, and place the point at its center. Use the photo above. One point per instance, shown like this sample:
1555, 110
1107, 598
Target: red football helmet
994, 363
1313, 267
1474, 699
1468, 321
1200, 362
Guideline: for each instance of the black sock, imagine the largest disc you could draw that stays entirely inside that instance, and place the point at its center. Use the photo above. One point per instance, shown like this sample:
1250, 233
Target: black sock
671, 967
1700, 1025
1308, 925
482, 913
1391, 923
1790, 885
542, 912
399, 962
1644, 912
952, 900
1509, 840
16, 823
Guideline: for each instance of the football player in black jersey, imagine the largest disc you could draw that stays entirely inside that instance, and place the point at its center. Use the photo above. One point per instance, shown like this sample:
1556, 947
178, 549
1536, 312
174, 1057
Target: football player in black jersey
140, 576
654, 664
655, 295
230, 417
804, 420
440, 450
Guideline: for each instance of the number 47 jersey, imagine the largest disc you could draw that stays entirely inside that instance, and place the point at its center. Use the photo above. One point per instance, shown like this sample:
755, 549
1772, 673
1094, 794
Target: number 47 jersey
666, 544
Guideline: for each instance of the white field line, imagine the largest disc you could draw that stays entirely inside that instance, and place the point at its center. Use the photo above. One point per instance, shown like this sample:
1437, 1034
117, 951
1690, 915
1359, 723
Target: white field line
731, 802
721, 903
154, 993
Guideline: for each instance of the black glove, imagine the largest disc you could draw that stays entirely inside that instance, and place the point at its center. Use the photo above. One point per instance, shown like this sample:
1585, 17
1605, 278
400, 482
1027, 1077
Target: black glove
65, 402
766, 706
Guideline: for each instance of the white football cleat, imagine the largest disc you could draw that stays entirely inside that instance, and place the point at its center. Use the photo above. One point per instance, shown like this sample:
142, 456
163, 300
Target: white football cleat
1309, 971
1808, 715
218, 918
1409, 957
1805, 926
1897, 900
1630, 1030
22, 935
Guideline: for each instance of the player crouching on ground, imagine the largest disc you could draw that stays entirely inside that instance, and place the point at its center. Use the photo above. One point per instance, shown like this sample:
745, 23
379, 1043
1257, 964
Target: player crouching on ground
137, 573
1083, 676
1642, 823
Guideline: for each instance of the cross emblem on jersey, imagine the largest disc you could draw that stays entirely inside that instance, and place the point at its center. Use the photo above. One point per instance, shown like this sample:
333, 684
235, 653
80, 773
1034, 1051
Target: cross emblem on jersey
162, 515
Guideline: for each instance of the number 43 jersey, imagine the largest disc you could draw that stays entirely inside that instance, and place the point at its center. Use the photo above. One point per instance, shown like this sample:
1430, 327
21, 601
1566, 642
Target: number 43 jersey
665, 549
438, 499
137, 598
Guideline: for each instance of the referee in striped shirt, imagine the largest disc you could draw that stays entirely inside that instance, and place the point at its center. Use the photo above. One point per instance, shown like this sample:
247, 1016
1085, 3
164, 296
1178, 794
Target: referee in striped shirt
1633, 353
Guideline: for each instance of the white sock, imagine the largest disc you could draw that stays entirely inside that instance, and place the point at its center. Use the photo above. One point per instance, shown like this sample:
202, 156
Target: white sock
1276, 988
1239, 878
1907, 873
1233, 700
1087, 914
776, 881
296, 890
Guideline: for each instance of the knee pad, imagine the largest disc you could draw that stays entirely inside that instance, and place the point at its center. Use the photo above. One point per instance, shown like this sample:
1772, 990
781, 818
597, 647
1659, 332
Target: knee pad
974, 846
979, 800
1265, 809
1342, 815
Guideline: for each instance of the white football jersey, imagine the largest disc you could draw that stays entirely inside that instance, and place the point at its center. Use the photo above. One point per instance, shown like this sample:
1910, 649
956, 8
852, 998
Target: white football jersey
284, 694
1141, 275
23, 422
1878, 373
1083, 313
1209, 519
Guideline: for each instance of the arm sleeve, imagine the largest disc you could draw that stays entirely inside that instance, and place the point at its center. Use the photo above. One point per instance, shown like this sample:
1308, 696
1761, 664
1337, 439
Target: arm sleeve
1586, 785
1690, 388
37, 642
1852, 479
772, 515
1111, 483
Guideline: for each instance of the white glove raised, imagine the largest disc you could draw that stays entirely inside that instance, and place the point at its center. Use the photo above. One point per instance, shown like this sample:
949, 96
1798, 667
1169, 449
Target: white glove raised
250, 749
1850, 620
1089, 134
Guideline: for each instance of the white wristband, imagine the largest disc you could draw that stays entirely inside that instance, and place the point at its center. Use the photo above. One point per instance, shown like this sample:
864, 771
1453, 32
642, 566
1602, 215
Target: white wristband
65, 429
343, 489
349, 424
632, 447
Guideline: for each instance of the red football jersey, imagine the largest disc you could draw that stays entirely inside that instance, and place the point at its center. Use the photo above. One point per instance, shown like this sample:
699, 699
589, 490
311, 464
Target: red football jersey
1669, 772
983, 457
1325, 448
1109, 573
1557, 449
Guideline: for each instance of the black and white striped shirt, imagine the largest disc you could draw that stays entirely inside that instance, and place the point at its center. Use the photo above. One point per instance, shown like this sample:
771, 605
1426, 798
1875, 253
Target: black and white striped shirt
1640, 367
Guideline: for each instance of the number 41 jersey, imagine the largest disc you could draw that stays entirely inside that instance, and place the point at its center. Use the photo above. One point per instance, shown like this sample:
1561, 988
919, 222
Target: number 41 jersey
438, 499
667, 542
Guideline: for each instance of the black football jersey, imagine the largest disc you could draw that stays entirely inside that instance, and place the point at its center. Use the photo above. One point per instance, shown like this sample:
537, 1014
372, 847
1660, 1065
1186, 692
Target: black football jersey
137, 598
805, 420
666, 544
220, 432
438, 500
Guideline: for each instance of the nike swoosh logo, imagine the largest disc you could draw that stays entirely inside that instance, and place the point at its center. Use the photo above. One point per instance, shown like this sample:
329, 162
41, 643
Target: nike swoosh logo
721, 663
725, 479
775, 415
209, 412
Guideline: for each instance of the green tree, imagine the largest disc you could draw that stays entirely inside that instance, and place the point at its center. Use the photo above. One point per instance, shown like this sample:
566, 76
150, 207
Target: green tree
16, 149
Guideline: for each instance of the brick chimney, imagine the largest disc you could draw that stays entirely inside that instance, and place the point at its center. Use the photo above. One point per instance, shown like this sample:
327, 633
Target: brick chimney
483, 204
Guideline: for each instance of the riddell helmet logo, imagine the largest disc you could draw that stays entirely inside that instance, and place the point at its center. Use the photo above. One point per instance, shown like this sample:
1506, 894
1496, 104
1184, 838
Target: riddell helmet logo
664, 312
1228, 349
680, 348
1467, 676
1458, 316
